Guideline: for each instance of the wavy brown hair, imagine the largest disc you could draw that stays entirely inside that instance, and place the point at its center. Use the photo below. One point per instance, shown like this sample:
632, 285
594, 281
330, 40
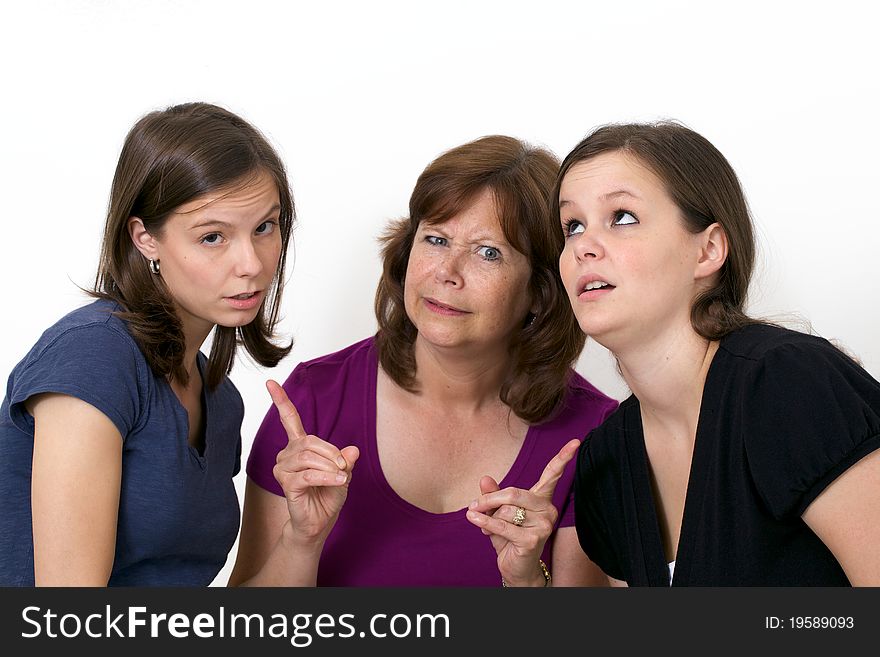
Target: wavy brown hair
701, 182
171, 157
521, 178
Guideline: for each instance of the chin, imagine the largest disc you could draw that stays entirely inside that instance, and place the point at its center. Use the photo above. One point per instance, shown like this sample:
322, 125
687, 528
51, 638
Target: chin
596, 330
236, 322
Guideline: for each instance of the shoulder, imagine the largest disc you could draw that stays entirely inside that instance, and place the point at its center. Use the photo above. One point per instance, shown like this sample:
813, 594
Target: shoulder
605, 442
808, 410
92, 335
87, 354
771, 360
584, 407
348, 365
330, 381
758, 343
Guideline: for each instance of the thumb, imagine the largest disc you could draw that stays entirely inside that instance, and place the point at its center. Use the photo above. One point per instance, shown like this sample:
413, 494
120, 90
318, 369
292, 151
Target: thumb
350, 454
488, 485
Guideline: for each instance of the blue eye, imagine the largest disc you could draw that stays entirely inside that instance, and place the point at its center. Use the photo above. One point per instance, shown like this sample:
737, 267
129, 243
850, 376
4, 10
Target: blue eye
435, 241
211, 239
624, 218
573, 227
489, 252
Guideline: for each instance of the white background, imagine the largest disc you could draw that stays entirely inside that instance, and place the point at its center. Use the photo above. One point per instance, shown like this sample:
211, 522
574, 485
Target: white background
359, 96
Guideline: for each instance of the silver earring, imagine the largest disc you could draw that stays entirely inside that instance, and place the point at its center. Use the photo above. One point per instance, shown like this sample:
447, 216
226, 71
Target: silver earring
154, 267
532, 320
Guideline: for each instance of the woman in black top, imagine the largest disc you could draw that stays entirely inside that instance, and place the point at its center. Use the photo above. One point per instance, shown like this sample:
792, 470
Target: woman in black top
747, 454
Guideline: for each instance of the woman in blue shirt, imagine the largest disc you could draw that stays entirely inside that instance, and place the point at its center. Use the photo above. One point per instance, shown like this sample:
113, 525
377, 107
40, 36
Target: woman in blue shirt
119, 438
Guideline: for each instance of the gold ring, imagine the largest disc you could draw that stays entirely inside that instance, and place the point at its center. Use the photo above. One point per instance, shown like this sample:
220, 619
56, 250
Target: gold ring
519, 516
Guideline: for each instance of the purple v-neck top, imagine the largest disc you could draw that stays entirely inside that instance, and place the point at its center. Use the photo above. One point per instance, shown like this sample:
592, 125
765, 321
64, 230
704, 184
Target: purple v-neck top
379, 538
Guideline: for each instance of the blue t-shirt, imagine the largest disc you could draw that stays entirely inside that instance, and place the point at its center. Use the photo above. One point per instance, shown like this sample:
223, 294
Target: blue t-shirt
178, 509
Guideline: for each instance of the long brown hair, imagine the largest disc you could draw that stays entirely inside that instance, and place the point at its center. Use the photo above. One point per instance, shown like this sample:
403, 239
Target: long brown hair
521, 179
705, 188
169, 158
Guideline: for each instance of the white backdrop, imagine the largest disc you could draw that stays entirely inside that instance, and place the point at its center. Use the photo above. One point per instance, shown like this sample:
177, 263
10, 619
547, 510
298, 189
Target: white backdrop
359, 96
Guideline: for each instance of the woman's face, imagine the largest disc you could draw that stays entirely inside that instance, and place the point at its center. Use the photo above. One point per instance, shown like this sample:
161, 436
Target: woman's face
629, 263
466, 286
218, 254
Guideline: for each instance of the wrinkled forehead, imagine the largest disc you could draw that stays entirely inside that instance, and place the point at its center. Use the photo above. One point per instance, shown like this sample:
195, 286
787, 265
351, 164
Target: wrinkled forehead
482, 213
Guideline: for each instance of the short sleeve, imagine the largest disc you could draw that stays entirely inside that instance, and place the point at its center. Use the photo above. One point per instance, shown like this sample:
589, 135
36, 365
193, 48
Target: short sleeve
566, 513
94, 363
810, 413
592, 530
271, 437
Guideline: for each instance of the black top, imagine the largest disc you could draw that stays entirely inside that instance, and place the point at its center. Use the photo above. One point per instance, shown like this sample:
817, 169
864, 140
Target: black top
783, 414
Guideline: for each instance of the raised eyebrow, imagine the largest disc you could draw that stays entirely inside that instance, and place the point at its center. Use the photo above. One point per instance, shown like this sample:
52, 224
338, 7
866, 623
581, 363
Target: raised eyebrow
618, 193
211, 223
606, 197
275, 208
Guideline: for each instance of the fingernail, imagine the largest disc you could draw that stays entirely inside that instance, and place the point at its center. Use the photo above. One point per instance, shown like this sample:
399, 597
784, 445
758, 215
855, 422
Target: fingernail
341, 462
341, 477
472, 505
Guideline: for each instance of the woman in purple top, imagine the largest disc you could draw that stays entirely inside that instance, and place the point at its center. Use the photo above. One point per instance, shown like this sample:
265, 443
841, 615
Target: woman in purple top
460, 413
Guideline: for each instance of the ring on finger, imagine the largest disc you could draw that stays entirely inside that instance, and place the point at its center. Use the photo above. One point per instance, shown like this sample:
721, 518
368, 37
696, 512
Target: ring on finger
519, 516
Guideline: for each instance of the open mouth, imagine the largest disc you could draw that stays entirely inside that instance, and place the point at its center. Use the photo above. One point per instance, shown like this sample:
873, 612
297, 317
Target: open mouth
245, 300
596, 285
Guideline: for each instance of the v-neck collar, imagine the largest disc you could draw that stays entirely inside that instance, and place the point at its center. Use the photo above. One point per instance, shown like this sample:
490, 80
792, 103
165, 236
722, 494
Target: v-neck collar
656, 567
371, 452
200, 458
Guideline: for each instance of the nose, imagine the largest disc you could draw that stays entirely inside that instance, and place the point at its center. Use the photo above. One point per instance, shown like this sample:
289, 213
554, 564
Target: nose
449, 269
588, 245
248, 263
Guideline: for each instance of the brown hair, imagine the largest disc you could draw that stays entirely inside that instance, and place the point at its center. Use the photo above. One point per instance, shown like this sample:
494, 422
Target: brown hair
521, 179
169, 158
705, 188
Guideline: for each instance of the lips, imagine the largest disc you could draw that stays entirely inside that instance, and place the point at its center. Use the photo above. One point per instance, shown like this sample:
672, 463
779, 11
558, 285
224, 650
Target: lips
245, 300
592, 286
443, 308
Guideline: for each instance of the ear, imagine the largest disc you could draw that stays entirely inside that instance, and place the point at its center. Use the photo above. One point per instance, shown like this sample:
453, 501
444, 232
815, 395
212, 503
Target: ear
713, 251
143, 241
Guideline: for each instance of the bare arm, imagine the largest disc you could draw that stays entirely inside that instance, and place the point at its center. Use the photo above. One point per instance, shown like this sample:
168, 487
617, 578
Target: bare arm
264, 556
282, 537
571, 567
846, 516
75, 487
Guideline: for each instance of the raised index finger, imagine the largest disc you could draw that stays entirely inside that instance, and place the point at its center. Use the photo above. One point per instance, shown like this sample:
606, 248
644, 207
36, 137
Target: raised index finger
554, 469
290, 419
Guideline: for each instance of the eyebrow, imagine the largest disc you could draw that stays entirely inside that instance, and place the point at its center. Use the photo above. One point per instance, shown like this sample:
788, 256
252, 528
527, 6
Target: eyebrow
482, 239
478, 239
618, 193
211, 222
225, 224
606, 197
